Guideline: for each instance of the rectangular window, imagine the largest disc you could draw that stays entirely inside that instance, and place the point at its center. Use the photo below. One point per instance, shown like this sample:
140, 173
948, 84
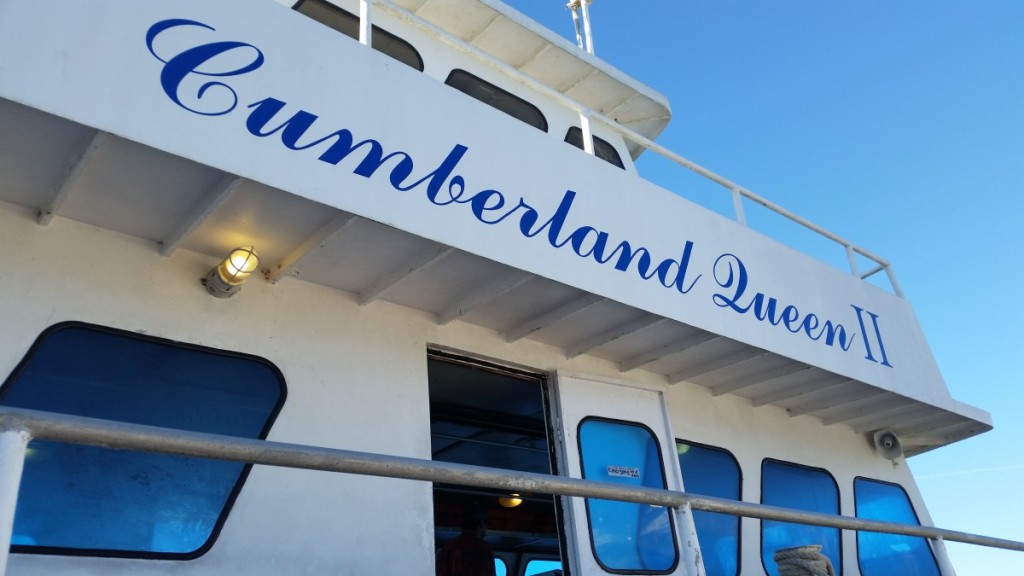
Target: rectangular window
710, 471
87, 500
800, 488
889, 554
627, 537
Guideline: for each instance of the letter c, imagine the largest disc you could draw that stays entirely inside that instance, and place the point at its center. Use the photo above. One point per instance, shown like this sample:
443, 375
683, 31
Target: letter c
182, 65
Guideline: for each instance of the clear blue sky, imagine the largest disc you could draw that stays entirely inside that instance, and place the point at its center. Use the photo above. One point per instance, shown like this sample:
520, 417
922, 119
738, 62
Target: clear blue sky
898, 124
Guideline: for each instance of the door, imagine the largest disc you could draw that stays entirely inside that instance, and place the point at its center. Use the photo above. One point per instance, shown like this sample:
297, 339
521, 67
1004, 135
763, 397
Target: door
616, 433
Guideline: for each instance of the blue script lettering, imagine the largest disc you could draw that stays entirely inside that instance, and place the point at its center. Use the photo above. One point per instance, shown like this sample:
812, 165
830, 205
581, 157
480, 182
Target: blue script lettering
731, 274
343, 144
485, 205
341, 141
884, 360
486, 201
186, 77
443, 186
181, 66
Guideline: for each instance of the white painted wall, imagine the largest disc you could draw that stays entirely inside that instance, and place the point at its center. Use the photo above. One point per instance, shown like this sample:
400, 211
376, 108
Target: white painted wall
356, 379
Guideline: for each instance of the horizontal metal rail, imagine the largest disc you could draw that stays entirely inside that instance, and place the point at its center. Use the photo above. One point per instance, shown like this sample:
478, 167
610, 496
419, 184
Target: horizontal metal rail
632, 136
119, 435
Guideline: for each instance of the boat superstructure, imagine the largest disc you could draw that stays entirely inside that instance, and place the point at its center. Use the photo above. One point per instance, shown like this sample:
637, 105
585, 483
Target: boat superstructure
458, 262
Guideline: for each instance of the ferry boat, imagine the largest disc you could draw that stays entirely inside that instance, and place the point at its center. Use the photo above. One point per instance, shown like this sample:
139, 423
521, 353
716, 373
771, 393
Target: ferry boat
248, 241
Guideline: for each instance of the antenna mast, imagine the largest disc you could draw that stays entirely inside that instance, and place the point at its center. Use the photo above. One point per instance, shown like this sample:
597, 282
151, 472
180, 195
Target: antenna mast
583, 6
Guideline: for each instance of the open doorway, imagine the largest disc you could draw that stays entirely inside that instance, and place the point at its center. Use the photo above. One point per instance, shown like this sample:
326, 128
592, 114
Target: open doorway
488, 415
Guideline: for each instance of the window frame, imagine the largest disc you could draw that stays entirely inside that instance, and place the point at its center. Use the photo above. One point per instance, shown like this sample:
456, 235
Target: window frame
528, 559
839, 511
243, 475
543, 127
598, 142
664, 486
739, 487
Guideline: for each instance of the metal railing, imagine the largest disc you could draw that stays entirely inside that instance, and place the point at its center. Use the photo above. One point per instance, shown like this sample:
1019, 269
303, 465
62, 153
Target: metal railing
587, 116
18, 427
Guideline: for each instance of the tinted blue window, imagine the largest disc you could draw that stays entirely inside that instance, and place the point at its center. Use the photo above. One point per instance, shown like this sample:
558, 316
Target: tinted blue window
82, 499
800, 488
713, 472
890, 554
626, 536
499, 567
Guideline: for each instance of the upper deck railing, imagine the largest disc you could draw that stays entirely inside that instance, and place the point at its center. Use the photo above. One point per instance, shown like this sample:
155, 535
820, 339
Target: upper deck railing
18, 427
587, 116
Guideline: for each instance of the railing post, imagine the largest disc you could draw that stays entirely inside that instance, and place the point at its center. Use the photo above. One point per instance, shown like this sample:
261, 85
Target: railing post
945, 566
852, 257
365, 21
691, 547
892, 281
574, 6
13, 446
587, 134
585, 6
737, 205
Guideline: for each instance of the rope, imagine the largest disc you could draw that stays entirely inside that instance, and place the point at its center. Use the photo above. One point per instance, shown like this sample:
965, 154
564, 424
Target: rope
803, 561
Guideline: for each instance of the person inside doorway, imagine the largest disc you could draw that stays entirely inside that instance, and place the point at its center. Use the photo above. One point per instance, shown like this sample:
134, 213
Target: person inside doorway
467, 554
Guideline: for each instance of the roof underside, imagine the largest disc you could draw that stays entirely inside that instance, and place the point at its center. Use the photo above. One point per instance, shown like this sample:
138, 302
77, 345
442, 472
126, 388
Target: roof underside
68, 170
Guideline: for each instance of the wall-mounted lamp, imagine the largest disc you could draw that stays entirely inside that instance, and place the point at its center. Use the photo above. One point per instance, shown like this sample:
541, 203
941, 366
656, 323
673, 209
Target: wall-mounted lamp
226, 279
510, 501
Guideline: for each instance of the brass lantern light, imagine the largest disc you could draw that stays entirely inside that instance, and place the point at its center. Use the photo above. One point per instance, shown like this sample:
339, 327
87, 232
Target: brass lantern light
226, 279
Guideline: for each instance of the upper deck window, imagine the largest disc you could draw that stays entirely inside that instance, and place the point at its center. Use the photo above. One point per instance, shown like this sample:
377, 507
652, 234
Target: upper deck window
711, 471
889, 554
348, 24
800, 488
87, 500
498, 98
602, 148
